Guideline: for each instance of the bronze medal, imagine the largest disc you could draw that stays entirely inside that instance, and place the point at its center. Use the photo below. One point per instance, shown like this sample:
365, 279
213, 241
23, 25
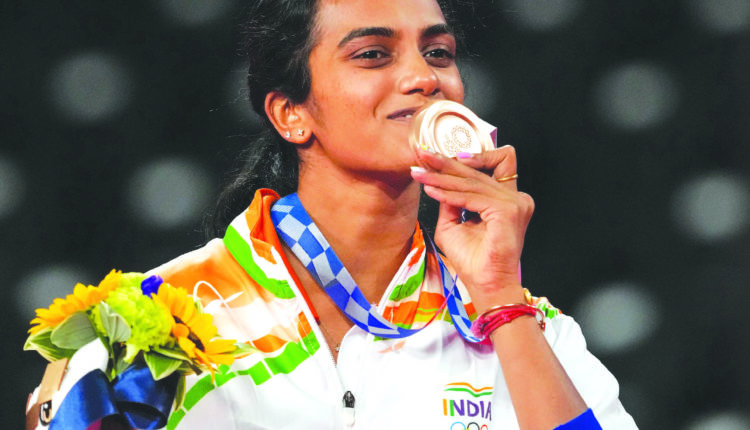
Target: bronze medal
448, 128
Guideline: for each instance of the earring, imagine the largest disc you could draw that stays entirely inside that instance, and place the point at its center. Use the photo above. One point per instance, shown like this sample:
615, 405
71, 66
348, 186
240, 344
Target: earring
287, 135
300, 132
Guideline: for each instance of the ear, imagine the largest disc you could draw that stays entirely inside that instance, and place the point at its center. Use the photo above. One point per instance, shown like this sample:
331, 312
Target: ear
287, 118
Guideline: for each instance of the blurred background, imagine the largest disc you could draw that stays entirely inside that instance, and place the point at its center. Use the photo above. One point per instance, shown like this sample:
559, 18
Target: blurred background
120, 121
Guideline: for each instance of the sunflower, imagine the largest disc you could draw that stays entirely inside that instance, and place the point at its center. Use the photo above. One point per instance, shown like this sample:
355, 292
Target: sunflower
194, 330
83, 298
208, 353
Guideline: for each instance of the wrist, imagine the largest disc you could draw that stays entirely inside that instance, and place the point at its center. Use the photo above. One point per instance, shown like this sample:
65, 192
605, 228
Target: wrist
485, 298
522, 327
493, 318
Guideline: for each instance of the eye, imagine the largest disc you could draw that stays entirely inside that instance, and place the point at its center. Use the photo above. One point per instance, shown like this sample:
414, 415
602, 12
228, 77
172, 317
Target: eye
440, 57
372, 58
439, 53
372, 54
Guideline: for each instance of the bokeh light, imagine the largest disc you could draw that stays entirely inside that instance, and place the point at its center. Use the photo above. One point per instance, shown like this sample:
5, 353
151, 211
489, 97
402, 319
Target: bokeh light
12, 187
725, 420
636, 96
617, 316
90, 86
38, 288
169, 192
713, 206
721, 16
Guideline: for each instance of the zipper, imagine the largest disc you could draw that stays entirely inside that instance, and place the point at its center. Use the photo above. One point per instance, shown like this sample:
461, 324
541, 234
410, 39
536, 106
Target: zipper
348, 401
347, 398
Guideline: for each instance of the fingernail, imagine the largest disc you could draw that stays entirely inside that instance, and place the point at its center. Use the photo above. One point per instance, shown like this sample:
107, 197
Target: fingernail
418, 169
464, 155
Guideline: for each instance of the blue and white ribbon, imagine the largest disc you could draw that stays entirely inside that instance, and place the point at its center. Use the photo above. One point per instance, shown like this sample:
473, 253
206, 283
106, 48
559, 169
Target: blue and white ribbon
299, 232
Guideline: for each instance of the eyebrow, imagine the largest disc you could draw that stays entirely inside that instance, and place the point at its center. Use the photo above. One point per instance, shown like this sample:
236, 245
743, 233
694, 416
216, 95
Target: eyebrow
431, 31
367, 31
437, 30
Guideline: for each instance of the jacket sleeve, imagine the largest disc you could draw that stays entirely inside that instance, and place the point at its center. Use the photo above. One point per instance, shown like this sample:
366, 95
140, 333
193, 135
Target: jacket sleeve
594, 382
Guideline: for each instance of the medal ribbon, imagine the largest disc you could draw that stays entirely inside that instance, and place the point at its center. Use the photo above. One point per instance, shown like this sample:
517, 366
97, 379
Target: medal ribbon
134, 395
299, 232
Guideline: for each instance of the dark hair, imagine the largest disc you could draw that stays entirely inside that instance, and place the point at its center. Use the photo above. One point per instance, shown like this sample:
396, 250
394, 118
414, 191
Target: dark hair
278, 39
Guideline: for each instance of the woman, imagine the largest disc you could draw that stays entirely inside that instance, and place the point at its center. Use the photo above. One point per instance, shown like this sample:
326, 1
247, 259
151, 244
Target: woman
337, 83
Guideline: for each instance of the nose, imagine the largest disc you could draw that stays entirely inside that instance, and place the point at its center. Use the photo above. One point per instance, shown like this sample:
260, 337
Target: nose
418, 77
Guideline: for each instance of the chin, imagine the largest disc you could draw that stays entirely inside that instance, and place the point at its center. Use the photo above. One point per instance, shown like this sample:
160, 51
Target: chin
393, 175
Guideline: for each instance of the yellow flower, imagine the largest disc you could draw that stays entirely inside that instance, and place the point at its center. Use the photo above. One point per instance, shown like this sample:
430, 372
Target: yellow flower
194, 330
83, 298
210, 353
176, 301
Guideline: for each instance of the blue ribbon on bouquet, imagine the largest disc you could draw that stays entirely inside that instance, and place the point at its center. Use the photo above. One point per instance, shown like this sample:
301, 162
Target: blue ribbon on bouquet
134, 395
303, 237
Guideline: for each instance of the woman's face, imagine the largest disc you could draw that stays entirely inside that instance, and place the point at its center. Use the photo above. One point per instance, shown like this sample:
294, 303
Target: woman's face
373, 65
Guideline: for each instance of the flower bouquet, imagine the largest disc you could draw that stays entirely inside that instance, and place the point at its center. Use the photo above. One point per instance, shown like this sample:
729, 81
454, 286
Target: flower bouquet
147, 334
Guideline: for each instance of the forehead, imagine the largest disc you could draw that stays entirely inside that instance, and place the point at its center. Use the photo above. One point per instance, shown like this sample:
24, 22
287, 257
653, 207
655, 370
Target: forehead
337, 18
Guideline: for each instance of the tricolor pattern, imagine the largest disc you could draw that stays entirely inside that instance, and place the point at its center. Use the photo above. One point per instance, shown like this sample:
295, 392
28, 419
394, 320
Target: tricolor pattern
246, 283
303, 237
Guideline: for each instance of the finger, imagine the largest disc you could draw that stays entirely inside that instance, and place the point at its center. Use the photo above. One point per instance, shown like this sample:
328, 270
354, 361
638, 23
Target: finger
442, 164
472, 201
480, 185
513, 211
501, 162
449, 214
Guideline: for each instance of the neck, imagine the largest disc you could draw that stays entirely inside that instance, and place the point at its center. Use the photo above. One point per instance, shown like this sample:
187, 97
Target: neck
368, 222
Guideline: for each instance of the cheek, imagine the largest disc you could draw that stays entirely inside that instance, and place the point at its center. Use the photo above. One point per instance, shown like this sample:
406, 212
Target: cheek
453, 87
347, 96
357, 100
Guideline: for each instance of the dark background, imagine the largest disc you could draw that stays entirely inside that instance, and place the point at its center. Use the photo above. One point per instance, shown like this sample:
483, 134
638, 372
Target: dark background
119, 121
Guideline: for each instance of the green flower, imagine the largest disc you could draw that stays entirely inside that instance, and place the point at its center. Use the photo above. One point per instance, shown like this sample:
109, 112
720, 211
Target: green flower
132, 279
150, 324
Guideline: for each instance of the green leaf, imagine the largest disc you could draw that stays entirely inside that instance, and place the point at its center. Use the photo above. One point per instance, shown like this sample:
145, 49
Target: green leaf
175, 352
73, 333
131, 351
179, 395
160, 366
41, 342
186, 369
114, 324
120, 366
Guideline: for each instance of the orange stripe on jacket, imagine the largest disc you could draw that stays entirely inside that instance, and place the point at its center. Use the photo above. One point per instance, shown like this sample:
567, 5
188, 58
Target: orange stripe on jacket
215, 265
263, 233
405, 313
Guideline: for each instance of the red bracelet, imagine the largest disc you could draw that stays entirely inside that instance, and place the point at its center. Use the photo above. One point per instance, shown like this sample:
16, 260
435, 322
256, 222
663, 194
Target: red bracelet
496, 316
